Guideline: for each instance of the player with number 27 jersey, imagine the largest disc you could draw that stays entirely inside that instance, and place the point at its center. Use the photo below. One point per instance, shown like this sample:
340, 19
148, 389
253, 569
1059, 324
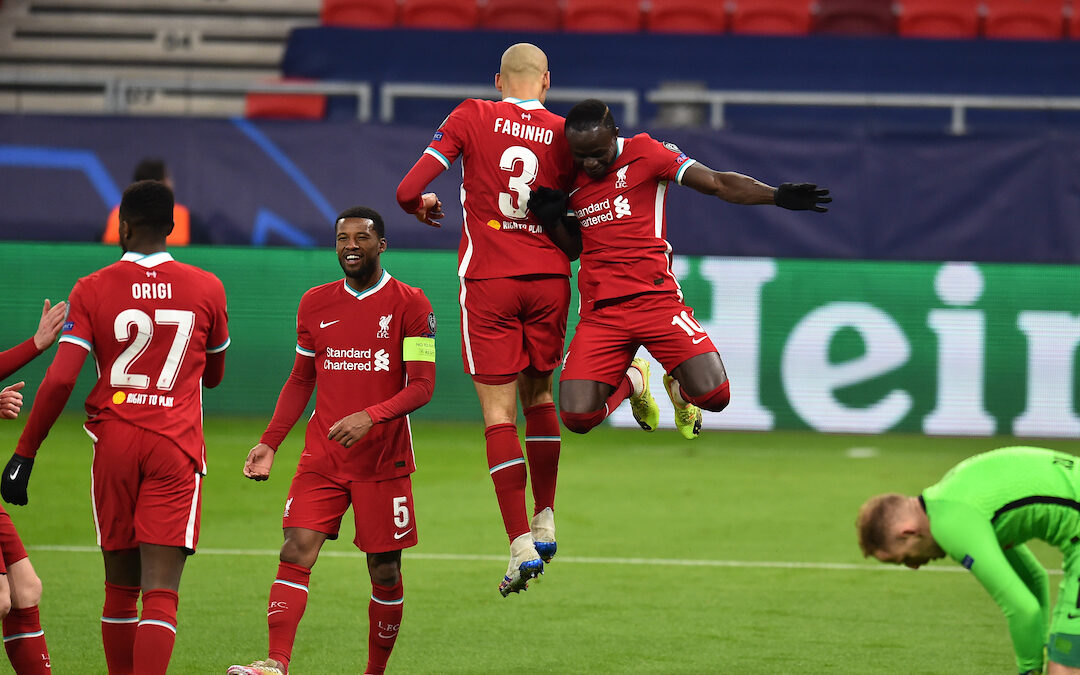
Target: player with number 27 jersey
149, 322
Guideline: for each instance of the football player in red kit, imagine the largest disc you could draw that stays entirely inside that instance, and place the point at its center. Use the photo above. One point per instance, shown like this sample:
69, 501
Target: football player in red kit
366, 343
158, 331
629, 296
515, 288
20, 587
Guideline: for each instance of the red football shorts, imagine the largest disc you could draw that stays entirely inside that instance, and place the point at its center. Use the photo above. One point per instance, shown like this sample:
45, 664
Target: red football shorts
607, 338
382, 510
10, 544
511, 324
146, 489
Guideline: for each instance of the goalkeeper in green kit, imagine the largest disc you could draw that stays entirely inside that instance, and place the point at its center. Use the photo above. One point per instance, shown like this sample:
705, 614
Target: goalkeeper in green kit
980, 515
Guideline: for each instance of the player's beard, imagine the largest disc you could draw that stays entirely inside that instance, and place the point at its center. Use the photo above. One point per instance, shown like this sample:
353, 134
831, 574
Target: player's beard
362, 273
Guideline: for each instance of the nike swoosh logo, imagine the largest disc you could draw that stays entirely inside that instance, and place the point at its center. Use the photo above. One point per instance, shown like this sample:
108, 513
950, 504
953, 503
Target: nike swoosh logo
399, 535
324, 324
699, 340
15, 473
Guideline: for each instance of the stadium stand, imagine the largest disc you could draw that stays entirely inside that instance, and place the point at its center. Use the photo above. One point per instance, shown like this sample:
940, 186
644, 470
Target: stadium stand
686, 16
855, 17
1074, 22
359, 13
65, 55
771, 17
519, 15
602, 16
440, 14
955, 19
1024, 19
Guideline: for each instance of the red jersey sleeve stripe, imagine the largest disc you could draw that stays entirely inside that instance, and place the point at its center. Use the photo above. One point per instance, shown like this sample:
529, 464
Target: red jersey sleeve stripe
85, 344
221, 347
437, 155
682, 169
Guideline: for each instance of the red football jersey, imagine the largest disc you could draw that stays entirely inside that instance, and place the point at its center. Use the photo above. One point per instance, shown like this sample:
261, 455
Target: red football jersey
356, 341
507, 147
623, 226
149, 321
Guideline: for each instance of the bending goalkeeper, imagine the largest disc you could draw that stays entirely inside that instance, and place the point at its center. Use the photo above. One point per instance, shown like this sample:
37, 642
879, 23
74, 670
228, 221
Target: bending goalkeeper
980, 515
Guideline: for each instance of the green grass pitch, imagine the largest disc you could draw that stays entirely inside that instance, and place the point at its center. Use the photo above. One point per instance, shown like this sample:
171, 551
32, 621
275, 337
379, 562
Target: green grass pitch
734, 553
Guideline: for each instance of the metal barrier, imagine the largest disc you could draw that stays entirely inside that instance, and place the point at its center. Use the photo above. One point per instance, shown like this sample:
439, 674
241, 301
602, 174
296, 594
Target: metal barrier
391, 91
958, 103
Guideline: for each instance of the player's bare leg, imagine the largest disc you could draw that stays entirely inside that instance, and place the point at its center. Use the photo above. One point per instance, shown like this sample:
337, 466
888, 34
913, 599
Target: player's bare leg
583, 404
506, 464
542, 447
1059, 669
384, 609
698, 383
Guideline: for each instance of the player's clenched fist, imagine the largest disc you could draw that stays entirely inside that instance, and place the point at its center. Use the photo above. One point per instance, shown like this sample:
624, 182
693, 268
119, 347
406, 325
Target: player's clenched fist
351, 428
259, 462
11, 401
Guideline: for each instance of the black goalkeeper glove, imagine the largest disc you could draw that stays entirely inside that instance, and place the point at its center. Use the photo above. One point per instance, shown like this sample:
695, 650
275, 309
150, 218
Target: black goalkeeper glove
547, 205
15, 479
802, 197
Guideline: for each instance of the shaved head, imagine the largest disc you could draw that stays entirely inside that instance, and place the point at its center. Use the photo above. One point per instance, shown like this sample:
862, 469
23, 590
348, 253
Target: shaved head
523, 61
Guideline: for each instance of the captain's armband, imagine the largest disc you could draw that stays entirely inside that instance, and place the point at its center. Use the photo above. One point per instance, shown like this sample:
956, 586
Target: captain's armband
418, 349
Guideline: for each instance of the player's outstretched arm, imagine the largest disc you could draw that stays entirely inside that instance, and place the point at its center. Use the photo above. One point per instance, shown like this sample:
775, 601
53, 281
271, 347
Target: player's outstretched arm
739, 189
52, 320
410, 192
259, 462
11, 401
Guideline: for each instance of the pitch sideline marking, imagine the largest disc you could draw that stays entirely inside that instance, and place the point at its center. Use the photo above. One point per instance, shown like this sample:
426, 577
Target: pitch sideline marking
466, 557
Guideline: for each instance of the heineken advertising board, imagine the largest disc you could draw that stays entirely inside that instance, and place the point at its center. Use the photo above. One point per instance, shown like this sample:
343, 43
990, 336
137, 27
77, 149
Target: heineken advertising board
841, 346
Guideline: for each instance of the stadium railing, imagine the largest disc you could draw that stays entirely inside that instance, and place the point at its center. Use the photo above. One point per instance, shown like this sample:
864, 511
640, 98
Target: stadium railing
390, 92
958, 104
123, 95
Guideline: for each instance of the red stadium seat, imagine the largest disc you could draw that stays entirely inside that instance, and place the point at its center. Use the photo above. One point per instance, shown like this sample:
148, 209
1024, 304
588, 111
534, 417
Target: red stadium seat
440, 14
610, 16
936, 19
519, 15
258, 105
686, 16
359, 13
1074, 22
855, 17
1024, 19
771, 17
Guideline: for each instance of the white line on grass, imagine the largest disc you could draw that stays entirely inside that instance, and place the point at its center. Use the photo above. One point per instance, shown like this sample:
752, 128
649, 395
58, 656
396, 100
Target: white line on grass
746, 564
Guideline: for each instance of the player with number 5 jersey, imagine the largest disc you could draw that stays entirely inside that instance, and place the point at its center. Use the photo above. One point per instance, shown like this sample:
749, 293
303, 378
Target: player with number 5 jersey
367, 344
514, 286
157, 329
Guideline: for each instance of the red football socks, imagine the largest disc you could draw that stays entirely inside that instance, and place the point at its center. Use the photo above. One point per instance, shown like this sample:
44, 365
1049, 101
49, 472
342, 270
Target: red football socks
384, 620
542, 446
25, 642
288, 600
507, 467
156, 633
119, 619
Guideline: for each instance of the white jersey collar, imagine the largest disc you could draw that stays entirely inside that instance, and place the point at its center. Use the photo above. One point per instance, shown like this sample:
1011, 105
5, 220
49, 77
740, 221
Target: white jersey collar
383, 280
151, 260
530, 104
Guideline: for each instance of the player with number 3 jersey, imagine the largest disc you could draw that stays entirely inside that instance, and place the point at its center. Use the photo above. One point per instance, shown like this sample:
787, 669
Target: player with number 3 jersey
157, 329
514, 286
